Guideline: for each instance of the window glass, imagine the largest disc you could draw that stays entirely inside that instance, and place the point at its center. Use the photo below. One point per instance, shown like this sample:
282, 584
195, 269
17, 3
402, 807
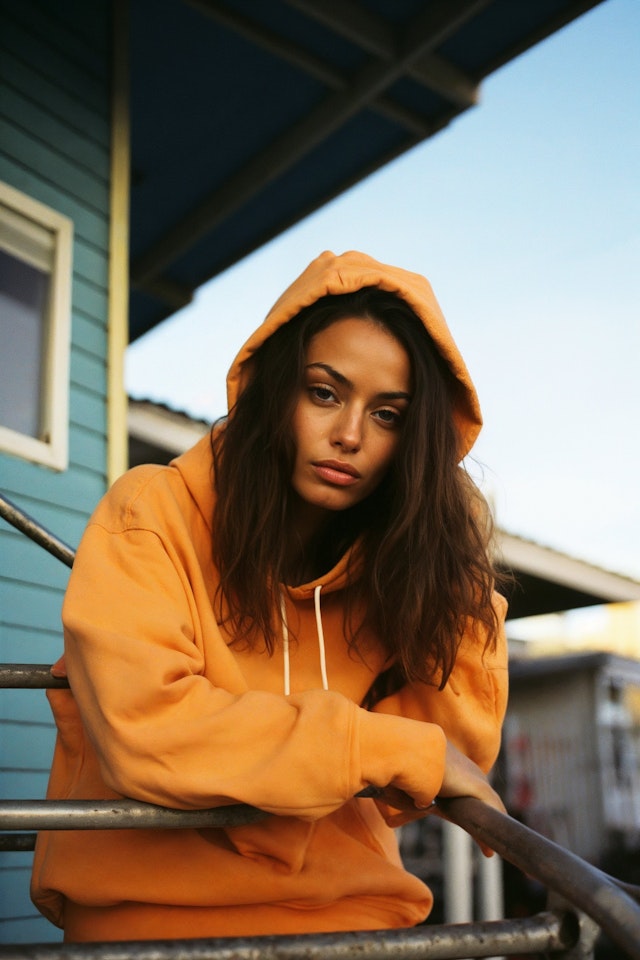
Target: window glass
23, 309
35, 329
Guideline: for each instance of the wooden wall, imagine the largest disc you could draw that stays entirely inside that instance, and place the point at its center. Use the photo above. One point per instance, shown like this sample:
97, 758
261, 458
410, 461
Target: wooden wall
54, 146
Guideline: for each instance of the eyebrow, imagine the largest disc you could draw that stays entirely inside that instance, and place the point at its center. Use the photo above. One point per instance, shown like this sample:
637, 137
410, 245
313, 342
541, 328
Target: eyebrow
340, 378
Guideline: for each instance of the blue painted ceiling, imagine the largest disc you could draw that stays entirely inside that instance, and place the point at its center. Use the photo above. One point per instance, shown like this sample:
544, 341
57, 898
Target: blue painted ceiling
247, 115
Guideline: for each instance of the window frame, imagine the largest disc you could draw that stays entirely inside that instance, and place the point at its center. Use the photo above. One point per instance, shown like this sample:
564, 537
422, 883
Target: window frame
32, 218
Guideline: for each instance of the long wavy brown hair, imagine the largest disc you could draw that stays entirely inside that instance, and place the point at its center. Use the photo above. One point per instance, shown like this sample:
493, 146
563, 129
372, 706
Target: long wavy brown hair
421, 570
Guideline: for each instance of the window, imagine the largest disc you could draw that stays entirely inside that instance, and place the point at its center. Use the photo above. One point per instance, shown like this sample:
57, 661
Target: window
35, 327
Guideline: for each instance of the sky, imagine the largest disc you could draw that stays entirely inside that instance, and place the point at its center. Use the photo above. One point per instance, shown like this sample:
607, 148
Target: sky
525, 216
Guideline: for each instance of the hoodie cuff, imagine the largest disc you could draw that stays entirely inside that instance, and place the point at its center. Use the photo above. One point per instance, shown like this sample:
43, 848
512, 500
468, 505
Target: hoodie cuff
407, 754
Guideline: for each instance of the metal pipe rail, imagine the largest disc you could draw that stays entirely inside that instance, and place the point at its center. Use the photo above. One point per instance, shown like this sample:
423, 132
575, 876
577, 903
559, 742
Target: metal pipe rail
608, 902
119, 815
35, 531
29, 676
546, 932
614, 909
579, 883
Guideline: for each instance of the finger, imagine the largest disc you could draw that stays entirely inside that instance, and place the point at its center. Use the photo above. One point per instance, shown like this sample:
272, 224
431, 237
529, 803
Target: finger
487, 851
398, 818
400, 800
59, 669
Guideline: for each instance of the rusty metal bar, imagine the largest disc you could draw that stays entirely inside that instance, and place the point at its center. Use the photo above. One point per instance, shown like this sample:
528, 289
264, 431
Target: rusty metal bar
17, 842
118, 815
35, 531
115, 815
29, 676
546, 932
602, 898
122, 814
578, 882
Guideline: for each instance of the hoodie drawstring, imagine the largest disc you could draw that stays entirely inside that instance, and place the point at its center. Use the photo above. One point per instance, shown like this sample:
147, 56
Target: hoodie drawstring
323, 658
285, 646
285, 642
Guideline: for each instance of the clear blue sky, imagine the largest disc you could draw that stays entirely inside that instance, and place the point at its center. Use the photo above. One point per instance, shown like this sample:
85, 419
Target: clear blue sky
525, 216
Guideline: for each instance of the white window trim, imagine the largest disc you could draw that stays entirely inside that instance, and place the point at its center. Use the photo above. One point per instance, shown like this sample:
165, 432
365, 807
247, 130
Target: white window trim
32, 218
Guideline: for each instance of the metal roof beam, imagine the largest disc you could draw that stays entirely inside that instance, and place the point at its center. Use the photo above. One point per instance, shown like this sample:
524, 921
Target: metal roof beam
441, 19
448, 81
271, 41
319, 69
374, 34
175, 295
361, 27
427, 32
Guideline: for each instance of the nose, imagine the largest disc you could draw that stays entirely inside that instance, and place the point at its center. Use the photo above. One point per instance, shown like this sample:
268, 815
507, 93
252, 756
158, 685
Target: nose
347, 430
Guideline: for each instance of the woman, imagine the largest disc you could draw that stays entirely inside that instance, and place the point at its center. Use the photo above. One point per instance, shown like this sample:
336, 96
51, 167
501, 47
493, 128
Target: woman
298, 609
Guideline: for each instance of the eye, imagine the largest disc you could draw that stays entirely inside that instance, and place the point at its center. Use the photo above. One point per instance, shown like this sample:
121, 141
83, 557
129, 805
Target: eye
389, 418
322, 393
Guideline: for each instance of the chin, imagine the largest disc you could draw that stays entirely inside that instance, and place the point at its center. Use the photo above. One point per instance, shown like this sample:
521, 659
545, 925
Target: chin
330, 504
333, 501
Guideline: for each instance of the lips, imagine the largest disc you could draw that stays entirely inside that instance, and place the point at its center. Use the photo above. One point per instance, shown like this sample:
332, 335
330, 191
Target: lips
336, 472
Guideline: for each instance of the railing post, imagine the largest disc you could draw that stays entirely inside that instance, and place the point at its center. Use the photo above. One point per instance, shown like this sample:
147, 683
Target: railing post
458, 873
587, 929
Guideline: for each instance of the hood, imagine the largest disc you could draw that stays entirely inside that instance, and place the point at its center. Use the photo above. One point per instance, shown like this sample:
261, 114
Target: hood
347, 273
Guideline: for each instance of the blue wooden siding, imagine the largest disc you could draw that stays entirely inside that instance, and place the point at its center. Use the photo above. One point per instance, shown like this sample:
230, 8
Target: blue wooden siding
54, 146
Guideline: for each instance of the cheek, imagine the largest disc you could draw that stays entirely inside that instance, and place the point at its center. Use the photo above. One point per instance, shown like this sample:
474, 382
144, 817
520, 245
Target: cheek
297, 426
308, 424
303, 428
386, 453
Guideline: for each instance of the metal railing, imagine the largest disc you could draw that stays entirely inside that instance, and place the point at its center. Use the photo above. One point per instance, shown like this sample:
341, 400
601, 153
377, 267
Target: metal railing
546, 933
584, 900
35, 531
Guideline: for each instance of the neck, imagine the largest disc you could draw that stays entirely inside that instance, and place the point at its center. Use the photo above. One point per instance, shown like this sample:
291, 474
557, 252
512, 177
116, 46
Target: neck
308, 547
307, 521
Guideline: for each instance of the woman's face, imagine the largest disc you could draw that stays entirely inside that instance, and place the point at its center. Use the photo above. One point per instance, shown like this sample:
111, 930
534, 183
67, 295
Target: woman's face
346, 424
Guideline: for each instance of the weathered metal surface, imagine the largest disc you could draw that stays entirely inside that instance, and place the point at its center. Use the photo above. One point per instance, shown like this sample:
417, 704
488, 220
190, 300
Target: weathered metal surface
547, 932
117, 815
588, 930
599, 896
580, 883
29, 676
35, 531
17, 842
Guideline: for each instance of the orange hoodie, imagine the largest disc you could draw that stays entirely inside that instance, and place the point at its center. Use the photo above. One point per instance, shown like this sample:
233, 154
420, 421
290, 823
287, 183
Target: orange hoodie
163, 709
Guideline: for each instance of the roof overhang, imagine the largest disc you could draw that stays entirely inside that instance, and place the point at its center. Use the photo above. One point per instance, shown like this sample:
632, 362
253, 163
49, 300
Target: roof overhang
246, 117
522, 670
547, 581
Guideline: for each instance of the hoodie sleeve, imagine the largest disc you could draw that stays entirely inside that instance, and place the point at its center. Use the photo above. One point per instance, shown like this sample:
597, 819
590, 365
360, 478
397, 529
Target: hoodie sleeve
172, 726
471, 707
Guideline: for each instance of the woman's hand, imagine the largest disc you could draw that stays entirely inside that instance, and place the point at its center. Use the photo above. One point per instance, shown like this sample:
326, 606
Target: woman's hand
462, 778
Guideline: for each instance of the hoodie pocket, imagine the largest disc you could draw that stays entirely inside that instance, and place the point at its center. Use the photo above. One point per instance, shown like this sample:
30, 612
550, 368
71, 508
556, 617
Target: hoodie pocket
280, 842
70, 746
361, 820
